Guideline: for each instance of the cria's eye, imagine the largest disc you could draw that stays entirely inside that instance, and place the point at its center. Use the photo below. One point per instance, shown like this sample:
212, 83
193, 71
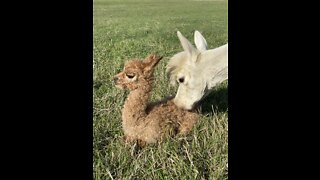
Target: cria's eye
181, 80
130, 76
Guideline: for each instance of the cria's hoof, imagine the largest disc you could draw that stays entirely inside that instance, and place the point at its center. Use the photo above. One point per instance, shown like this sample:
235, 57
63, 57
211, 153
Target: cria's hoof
127, 139
141, 143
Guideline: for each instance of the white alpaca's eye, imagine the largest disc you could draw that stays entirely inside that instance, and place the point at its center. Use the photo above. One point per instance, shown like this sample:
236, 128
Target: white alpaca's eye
130, 76
181, 80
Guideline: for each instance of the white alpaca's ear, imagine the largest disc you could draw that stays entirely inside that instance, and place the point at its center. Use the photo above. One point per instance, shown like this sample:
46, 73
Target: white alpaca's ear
200, 42
188, 47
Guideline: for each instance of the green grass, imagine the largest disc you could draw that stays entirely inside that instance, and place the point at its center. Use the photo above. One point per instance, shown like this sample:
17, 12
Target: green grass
127, 29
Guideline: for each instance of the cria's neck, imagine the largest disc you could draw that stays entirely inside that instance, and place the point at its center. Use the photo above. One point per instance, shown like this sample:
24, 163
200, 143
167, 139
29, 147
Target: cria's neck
136, 104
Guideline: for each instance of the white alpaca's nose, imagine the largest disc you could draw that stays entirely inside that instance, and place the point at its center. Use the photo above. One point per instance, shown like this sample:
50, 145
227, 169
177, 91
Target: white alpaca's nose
182, 105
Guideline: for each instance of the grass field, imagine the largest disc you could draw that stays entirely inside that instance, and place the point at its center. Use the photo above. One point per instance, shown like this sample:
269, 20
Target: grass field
127, 29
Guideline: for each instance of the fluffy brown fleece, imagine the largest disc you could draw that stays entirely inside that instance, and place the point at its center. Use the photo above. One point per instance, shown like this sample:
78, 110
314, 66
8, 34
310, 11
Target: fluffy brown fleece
149, 122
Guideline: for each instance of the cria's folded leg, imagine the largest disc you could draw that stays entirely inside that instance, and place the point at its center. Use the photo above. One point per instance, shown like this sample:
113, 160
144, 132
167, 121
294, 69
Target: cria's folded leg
187, 124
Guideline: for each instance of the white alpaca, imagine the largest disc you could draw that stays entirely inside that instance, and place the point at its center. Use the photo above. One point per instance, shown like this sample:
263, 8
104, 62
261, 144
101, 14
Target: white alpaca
197, 70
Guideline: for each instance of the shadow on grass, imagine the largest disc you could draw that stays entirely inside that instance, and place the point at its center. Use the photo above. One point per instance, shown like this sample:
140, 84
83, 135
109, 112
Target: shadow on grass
97, 84
216, 101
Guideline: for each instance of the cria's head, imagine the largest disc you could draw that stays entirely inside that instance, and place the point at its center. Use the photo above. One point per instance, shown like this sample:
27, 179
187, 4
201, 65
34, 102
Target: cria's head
136, 72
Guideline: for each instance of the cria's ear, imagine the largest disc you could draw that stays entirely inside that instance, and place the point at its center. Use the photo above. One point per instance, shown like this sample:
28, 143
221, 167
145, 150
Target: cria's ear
187, 47
151, 61
200, 42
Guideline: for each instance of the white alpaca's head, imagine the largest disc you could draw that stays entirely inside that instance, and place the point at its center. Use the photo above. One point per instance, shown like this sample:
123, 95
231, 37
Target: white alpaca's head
183, 70
196, 70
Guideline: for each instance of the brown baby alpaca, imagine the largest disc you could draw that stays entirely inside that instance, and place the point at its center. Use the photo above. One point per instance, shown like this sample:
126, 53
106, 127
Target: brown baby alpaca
146, 122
